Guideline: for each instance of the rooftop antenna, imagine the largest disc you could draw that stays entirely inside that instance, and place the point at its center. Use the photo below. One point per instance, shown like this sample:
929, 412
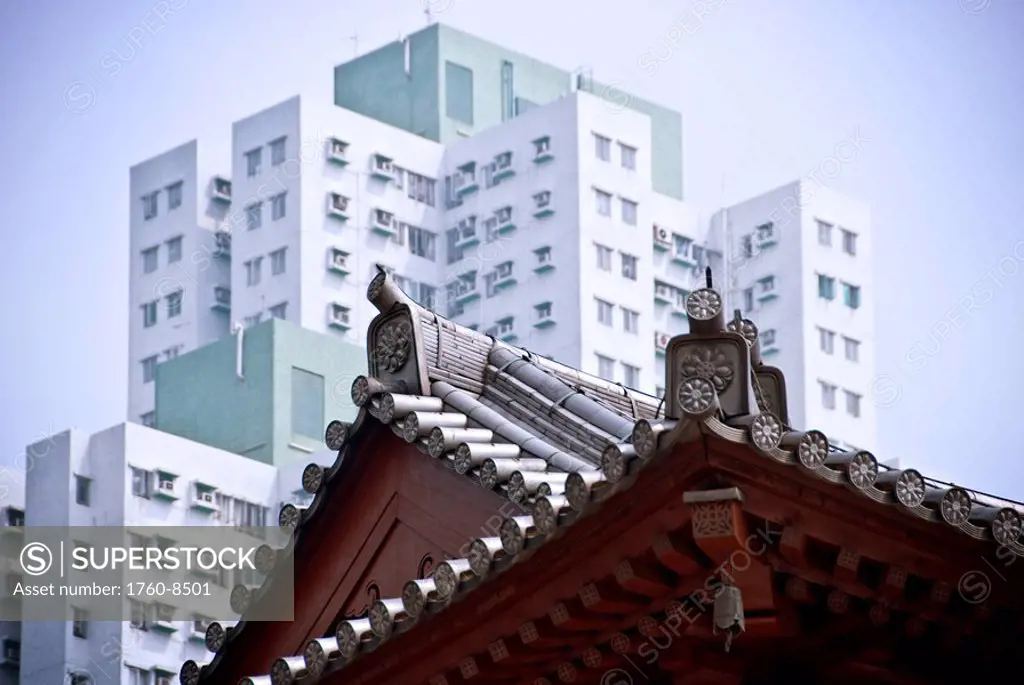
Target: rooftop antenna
428, 13
355, 44
707, 278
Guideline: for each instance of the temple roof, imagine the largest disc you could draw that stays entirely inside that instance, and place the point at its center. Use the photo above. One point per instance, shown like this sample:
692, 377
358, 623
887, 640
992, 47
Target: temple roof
557, 441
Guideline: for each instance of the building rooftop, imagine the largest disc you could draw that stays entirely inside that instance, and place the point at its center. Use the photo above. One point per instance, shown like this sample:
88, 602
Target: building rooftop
559, 443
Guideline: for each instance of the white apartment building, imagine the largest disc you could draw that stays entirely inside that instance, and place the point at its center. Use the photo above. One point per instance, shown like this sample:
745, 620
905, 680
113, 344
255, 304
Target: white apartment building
538, 230
134, 476
12, 517
798, 263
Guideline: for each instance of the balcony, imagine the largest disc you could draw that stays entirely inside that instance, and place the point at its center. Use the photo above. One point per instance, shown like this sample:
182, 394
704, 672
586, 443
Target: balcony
545, 262
337, 151
337, 206
197, 629
681, 252
767, 291
222, 244
221, 298
766, 236
506, 330
467, 234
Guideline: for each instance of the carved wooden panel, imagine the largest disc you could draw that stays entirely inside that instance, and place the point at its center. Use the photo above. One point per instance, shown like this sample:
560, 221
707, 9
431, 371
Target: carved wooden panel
713, 520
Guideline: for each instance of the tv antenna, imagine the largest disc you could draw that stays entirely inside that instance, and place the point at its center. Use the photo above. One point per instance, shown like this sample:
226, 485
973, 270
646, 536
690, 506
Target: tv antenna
355, 44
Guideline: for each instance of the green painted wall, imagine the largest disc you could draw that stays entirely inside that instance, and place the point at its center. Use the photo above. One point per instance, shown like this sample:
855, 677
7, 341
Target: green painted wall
376, 85
200, 397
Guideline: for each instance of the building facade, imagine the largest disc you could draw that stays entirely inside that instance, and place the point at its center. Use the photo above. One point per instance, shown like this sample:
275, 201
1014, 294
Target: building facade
799, 265
12, 518
137, 477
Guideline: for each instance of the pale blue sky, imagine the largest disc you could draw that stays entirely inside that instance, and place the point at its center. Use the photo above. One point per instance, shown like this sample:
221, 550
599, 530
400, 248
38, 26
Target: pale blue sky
767, 88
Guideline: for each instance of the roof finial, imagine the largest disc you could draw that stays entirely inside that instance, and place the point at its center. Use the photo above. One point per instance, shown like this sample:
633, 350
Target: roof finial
707, 276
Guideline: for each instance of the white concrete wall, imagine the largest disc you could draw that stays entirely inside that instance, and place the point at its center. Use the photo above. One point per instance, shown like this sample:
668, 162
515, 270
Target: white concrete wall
49, 650
194, 274
798, 312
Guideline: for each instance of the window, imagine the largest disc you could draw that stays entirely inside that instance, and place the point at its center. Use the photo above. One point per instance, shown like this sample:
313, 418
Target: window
604, 257
828, 395
279, 311
150, 260
826, 287
149, 369
629, 263
629, 212
747, 246
628, 156
137, 676
149, 314
852, 403
605, 310
277, 206
174, 304
422, 243
421, 189
748, 299
543, 311
307, 404
458, 93
254, 216
604, 202
277, 151
174, 250
826, 340
251, 321
140, 483
767, 338
79, 623
148, 419
508, 98
630, 321
824, 233
630, 375
149, 204
253, 269
852, 348
605, 367
767, 284
849, 242
173, 351
82, 490
138, 614
603, 148
174, 195
277, 261
253, 162
851, 295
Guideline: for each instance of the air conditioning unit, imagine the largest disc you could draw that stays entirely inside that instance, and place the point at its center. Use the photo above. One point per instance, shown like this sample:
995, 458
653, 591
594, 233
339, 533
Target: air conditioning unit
162, 680
542, 199
338, 261
205, 496
166, 485
383, 220
661, 341
336, 150
503, 161
221, 189
663, 291
382, 167
662, 236
222, 241
504, 215
340, 316
337, 205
